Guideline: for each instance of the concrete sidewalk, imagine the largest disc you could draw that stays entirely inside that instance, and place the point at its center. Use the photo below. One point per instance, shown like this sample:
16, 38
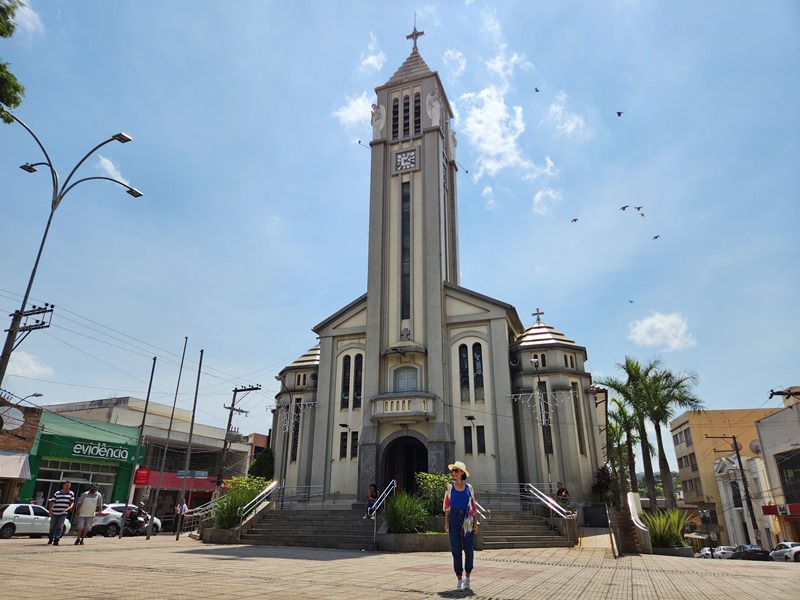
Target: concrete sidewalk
134, 568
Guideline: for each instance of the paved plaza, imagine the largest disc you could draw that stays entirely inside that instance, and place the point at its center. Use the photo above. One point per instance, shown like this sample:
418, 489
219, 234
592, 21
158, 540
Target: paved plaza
133, 568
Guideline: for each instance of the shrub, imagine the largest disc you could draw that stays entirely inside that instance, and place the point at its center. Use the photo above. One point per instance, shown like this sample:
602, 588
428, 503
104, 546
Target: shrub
431, 489
241, 490
405, 514
602, 486
667, 527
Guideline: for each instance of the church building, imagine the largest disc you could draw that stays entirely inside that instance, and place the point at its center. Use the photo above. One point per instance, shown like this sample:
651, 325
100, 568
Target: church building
419, 371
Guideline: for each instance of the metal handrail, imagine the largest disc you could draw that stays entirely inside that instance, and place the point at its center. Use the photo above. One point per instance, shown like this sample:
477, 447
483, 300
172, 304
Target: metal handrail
554, 506
614, 552
300, 494
244, 511
372, 510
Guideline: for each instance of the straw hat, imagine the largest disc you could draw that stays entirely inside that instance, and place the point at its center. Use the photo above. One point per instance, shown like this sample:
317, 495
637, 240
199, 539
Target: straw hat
459, 465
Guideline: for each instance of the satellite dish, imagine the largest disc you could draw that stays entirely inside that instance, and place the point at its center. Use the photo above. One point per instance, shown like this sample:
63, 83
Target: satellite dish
11, 418
755, 447
736, 446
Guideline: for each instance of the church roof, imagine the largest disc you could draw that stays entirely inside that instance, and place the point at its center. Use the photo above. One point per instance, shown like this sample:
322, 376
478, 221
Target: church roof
413, 68
542, 334
309, 359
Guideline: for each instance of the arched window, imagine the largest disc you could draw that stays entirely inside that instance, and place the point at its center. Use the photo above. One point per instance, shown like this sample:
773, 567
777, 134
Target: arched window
405, 379
566, 361
406, 116
544, 359
358, 370
463, 372
346, 382
395, 118
417, 116
477, 368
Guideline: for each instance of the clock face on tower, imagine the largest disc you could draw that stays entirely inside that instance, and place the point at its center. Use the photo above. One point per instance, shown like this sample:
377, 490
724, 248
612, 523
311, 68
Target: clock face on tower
405, 161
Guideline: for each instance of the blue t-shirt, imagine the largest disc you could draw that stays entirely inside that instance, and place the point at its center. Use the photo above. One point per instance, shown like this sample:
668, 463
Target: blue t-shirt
459, 500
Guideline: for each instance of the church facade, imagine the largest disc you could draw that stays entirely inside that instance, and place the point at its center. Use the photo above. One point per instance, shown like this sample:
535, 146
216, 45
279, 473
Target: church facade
419, 371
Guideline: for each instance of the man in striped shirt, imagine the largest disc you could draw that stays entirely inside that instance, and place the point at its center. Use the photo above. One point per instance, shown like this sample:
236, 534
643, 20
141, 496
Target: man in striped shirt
59, 505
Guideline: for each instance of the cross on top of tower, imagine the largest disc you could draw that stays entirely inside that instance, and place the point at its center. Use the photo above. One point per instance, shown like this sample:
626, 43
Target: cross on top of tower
538, 314
414, 35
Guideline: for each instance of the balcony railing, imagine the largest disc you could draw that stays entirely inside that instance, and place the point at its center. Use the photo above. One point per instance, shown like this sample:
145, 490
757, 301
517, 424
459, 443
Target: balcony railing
405, 407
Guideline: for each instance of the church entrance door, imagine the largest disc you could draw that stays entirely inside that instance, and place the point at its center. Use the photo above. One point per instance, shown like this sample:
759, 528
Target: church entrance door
404, 457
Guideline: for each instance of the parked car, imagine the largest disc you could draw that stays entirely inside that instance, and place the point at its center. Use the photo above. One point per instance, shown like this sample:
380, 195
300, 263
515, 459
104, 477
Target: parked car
782, 549
26, 519
108, 522
705, 552
793, 554
723, 551
750, 552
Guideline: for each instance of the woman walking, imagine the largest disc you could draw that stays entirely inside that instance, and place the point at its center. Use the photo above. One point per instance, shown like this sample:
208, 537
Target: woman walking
460, 523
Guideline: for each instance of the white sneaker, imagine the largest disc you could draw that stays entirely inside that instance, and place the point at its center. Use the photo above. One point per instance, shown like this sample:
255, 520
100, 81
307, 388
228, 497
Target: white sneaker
466, 583
460, 585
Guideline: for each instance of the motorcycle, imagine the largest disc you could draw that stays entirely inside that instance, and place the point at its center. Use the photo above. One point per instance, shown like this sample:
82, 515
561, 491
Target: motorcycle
136, 525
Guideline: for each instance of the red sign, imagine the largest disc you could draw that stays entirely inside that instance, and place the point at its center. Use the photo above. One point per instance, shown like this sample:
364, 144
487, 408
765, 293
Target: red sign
141, 476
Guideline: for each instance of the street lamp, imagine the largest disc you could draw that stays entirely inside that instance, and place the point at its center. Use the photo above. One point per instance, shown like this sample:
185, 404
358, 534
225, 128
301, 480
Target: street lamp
59, 191
705, 517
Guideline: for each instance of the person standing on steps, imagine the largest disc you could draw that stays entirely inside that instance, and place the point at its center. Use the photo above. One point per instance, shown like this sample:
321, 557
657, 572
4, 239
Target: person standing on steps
58, 506
460, 522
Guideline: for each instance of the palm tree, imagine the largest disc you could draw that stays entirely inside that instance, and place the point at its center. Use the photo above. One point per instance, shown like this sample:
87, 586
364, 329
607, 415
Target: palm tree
616, 444
636, 394
626, 423
667, 392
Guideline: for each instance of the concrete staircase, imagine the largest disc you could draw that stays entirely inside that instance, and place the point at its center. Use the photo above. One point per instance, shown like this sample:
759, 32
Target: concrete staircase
626, 530
519, 529
343, 529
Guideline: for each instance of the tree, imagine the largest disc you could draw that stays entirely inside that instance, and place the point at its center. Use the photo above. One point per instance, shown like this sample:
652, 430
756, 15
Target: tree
668, 392
634, 392
11, 90
263, 465
627, 424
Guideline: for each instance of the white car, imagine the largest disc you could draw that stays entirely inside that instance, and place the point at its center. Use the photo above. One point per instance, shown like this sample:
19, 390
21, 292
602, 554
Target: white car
109, 521
723, 551
26, 519
787, 551
705, 552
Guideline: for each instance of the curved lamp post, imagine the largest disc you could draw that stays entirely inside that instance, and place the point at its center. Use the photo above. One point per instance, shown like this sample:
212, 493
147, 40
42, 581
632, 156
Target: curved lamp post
59, 191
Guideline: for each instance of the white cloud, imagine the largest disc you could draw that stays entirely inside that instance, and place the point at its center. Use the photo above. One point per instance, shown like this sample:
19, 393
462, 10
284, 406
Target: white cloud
28, 20
545, 200
488, 196
375, 58
565, 123
356, 111
670, 332
456, 61
23, 364
110, 169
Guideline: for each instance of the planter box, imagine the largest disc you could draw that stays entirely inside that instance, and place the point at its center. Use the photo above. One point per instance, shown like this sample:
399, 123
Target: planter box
687, 552
413, 542
220, 536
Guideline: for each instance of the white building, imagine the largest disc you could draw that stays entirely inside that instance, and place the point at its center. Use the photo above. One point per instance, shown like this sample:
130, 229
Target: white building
419, 371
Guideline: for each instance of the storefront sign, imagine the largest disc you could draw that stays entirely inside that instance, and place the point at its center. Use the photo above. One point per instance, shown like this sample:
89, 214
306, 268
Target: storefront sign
141, 477
100, 450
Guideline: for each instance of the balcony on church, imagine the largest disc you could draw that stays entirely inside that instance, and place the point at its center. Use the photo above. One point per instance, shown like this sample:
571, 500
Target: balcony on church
403, 407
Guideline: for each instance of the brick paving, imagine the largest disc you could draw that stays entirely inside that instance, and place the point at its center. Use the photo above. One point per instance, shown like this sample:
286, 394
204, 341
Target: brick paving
136, 568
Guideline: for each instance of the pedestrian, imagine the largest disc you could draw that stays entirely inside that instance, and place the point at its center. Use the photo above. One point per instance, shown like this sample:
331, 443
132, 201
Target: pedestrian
561, 493
58, 506
372, 497
460, 522
89, 504
180, 512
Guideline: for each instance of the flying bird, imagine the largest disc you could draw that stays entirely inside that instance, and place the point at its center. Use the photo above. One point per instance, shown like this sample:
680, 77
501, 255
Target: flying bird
619, 113
535, 89
639, 208
624, 207
655, 237
641, 214
574, 220
631, 301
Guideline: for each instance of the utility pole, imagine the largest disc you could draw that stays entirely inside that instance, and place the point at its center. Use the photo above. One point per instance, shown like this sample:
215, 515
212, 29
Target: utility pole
226, 443
747, 498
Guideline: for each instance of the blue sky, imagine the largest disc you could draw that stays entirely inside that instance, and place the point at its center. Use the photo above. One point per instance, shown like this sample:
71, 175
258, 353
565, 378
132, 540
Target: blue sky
246, 118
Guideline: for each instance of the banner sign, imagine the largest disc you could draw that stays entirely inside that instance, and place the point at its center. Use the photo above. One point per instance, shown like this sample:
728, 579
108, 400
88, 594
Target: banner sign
100, 450
141, 477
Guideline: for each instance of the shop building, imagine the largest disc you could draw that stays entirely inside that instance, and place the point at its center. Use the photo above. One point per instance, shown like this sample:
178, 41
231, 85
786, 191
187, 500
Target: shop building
81, 451
18, 427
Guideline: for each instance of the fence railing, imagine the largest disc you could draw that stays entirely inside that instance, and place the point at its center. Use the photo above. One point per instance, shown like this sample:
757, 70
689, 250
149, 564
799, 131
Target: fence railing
373, 510
249, 509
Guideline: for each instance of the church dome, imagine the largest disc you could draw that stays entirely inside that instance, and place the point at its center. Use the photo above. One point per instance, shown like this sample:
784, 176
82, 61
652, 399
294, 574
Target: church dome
539, 335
